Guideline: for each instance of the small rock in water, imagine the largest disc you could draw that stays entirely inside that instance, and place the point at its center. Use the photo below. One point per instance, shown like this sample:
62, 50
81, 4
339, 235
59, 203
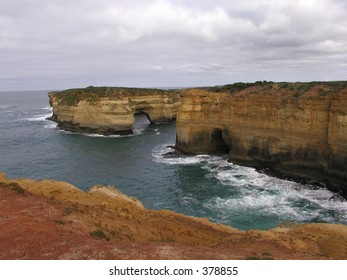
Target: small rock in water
214, 166
337, 198
226, 168
172, 155
170, 147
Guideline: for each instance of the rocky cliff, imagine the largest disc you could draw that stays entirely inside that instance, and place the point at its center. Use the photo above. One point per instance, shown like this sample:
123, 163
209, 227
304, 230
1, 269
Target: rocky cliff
298, 129
55, 220
106, 110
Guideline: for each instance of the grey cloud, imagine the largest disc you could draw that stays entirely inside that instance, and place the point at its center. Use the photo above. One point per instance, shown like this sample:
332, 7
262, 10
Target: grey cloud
61, 43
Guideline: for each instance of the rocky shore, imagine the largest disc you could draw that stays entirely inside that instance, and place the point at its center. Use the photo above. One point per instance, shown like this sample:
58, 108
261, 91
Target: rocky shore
55, 220
296, 129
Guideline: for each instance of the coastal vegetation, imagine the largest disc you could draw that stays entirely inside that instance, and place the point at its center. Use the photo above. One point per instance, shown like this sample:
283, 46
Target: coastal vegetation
13, 186
99, 234
235, 87
91, 94
297, 88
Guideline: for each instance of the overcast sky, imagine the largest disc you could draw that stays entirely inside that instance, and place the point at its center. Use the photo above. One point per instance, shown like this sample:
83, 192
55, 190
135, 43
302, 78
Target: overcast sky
57, 44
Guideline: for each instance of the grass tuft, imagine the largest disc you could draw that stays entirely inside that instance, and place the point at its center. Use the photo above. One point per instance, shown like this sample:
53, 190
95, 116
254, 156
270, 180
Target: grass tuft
99, 234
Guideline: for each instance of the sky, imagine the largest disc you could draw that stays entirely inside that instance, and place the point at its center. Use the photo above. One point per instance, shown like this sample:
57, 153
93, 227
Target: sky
59, 44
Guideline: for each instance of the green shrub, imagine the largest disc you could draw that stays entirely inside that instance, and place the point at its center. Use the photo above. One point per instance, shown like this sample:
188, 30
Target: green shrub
298, 88
13, 186
59, 222
72, 97
99, 234
235, 87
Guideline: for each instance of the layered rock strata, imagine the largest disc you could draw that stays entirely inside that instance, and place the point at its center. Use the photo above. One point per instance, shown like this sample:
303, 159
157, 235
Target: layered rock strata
106, 110
298, 129
55, 220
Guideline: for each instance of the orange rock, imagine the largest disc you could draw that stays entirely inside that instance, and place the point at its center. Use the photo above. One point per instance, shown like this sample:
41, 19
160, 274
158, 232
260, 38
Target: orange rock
298, 129
111, 110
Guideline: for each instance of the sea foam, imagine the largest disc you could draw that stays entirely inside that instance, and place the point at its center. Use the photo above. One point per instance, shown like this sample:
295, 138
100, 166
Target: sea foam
39, 118
255, 194
136, 132
165, 154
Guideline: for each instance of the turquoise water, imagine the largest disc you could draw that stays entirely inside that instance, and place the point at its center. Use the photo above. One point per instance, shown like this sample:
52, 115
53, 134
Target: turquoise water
202, 186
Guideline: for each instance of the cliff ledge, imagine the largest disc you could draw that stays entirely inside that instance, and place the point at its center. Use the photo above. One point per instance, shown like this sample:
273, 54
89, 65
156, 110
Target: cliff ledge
298, 129
55, 220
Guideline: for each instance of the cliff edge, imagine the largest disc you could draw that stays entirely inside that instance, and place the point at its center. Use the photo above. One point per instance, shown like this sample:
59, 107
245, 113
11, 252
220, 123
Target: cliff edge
111, 110
55, 220
299, 129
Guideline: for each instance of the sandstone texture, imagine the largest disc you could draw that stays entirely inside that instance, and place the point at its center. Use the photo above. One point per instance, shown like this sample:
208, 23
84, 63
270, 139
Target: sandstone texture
55, 220
299, 129
107, 110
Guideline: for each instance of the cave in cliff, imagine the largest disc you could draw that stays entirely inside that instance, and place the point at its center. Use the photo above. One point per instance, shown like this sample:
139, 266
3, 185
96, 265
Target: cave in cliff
217, 141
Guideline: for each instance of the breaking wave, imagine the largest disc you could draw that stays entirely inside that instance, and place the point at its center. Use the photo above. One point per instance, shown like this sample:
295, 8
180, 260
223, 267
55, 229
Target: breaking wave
243, 197
136, 132
41, 117
166, 154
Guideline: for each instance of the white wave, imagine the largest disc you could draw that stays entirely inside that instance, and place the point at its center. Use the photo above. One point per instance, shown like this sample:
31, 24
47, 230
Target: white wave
264, 205
51, 125
37, 118
94, 135
258, 194
274, 197
47, 108
160, 155
229, 174
184, 161
322, 197
136, 132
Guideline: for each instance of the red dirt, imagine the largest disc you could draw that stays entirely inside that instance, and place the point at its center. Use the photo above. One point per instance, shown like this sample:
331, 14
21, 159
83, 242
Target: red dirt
46, 226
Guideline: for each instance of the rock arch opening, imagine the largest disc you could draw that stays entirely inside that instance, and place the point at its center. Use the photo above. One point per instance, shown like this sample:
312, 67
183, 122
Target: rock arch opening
142, 120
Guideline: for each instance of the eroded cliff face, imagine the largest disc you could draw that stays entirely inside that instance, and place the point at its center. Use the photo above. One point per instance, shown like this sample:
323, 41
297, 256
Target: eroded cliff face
111, 110
297, 129
55, 220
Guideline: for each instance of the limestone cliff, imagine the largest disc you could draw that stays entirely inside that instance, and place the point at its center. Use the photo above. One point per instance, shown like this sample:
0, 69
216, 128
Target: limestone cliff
295, 128
55, 220
107, 110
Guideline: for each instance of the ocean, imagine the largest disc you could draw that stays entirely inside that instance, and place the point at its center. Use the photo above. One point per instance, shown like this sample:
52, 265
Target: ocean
200, 186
